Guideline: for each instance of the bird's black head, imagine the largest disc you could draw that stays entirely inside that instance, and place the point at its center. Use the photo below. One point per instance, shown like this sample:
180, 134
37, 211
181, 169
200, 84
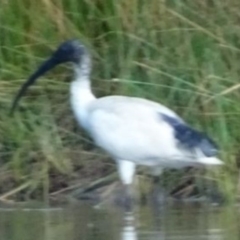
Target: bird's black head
69, 51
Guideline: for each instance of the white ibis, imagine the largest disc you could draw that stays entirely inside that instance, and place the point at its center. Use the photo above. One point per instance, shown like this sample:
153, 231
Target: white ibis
134, 131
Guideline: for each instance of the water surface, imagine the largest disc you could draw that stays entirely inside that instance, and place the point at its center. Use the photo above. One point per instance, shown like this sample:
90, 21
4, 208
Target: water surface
82, 221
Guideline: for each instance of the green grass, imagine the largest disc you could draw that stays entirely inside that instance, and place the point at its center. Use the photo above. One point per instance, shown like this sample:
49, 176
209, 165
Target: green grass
184, 54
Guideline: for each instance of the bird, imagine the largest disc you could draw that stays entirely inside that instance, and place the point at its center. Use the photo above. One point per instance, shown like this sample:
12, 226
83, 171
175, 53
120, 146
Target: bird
133, 131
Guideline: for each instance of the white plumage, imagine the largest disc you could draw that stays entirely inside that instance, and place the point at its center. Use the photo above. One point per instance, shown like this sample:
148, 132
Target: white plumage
132, 130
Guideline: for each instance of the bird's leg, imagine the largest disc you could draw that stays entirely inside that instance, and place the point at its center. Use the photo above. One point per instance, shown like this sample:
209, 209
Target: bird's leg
126, 171
158, 194
128, 198
156, 172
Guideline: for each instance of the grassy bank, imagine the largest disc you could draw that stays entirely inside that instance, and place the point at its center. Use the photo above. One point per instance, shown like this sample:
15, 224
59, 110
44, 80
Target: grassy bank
184, 54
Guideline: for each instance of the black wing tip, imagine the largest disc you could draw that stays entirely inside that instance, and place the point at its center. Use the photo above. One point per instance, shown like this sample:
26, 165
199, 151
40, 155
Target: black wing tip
191, 138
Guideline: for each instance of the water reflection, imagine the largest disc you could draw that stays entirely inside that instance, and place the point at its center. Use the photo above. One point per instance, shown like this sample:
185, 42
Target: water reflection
129, 229
83, 222
181, 222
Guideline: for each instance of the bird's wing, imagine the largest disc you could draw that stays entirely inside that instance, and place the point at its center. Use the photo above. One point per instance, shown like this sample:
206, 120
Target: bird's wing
118, 103
138, 128
132, 126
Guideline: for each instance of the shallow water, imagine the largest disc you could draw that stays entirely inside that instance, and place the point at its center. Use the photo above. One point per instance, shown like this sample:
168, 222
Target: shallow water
82, 221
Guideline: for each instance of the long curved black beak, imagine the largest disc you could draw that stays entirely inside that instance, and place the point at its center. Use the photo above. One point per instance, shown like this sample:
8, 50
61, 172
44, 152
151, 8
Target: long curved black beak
45, 67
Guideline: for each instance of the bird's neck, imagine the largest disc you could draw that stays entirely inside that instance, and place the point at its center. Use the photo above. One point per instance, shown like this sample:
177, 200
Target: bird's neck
81, 86
81, 93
